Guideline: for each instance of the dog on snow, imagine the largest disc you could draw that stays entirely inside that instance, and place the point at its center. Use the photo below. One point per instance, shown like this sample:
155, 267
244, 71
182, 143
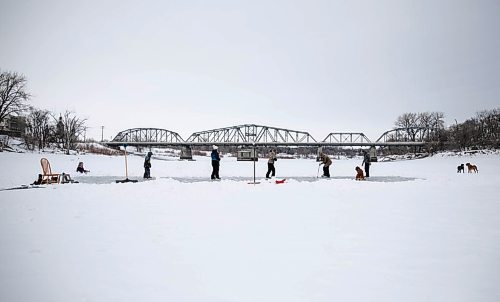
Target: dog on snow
471, 168
360, 175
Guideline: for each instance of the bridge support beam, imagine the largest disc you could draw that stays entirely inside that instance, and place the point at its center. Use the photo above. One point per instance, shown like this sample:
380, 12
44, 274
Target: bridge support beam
373, 154
187, 153
318, 155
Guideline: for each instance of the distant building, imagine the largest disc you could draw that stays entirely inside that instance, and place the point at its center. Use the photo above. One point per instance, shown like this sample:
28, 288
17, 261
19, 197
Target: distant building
13, 126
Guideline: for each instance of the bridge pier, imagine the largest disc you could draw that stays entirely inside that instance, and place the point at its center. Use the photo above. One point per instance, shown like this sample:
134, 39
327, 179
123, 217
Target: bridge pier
373, 154
186, 153
318, 155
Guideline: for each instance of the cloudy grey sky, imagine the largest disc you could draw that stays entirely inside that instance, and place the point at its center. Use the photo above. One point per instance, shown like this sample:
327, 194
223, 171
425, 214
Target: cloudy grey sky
316, 66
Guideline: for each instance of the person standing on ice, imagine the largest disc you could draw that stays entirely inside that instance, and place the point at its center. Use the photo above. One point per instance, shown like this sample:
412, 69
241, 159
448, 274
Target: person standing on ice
215, 163
366, 162
326, 162
271, 171
147, 165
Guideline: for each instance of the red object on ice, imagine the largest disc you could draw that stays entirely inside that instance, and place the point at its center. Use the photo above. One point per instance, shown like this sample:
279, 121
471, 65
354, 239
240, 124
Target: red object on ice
282, 181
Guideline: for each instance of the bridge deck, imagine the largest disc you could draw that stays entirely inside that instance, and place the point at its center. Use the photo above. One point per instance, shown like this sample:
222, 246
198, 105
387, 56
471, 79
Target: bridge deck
266, 144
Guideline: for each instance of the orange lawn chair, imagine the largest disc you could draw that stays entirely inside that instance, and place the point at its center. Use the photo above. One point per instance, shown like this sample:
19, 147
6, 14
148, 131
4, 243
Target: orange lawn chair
48, 177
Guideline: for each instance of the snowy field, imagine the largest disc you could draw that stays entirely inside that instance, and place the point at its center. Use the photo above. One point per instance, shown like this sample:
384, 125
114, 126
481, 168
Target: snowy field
416, 231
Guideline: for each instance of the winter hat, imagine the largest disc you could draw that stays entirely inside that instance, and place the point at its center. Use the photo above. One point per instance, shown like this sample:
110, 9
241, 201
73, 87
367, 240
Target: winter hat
150, 153
214, 147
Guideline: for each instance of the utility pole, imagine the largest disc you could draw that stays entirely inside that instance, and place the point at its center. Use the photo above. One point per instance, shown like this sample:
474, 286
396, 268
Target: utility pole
102, 134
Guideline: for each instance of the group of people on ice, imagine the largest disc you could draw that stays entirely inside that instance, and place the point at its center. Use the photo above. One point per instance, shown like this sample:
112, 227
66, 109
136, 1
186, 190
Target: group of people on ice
325, 160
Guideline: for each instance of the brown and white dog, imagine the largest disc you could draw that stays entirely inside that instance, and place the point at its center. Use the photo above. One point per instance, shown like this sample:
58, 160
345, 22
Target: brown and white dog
461, 169
360, 175
471, 168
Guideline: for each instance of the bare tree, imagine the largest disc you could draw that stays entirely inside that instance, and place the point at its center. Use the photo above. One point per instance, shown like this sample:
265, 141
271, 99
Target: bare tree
437, 120
480, 131
408, 121
489, 127
13, 95
39, 128
432, 121
73, 127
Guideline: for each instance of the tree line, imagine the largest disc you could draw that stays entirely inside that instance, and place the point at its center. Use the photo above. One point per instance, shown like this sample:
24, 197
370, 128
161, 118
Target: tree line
477, 132
42, 126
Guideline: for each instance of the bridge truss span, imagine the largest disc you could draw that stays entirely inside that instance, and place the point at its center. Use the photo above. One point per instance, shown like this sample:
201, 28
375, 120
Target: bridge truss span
344, 137
250, 133
264, 136
148, 135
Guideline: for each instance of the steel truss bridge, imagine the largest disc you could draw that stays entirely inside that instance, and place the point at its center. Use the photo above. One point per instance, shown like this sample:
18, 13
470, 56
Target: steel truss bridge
265, 136
249, 134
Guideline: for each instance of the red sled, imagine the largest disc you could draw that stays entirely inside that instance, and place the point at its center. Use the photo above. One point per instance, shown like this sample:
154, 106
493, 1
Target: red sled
282, 181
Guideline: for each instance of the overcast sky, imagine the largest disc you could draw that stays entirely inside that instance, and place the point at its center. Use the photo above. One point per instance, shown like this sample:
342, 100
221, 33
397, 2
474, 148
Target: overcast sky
316, 66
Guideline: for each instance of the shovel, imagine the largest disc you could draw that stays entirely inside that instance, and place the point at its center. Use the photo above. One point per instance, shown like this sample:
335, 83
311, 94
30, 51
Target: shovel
126, 171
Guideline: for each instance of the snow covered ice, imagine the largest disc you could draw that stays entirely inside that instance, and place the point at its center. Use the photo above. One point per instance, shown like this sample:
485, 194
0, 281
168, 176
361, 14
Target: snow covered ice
416, 231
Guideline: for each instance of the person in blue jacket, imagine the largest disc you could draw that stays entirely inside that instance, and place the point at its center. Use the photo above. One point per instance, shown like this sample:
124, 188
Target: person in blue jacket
215, 163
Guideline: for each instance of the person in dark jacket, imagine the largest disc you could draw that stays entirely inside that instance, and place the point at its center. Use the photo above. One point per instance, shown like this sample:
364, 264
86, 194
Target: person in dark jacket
366, 162
326, 162
80, 168
271, 171
215, 163
147, 165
